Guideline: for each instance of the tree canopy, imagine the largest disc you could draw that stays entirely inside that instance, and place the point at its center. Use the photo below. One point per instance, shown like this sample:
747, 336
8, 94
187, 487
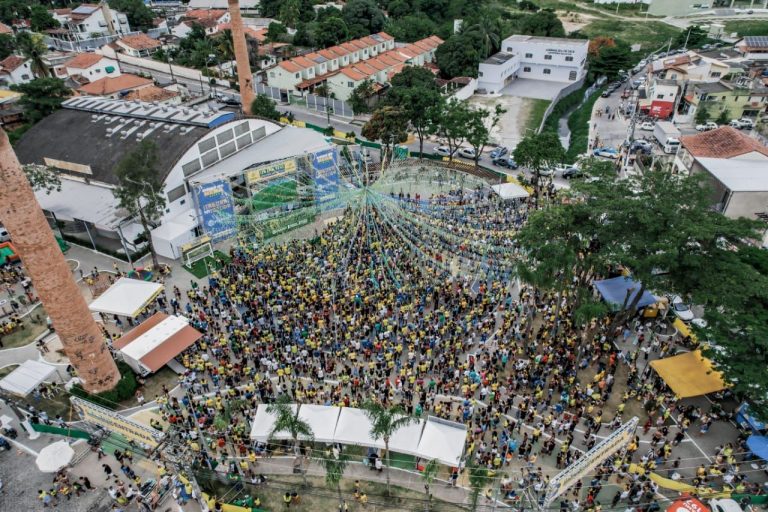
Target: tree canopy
262, 106
460, 55
415, 91
537, 152
610, 59
139, 15
363, 17
42, 96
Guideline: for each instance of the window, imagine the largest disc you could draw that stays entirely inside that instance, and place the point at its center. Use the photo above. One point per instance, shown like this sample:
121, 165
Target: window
206, 145
715, 74
479, 73
528, 55
191, 167
659, 96
509, 49
547, 71
526, 69
241, 128
350, 84
569, 59
176, 193
298, 75
572, 75
225, 136
547, 57
272, 74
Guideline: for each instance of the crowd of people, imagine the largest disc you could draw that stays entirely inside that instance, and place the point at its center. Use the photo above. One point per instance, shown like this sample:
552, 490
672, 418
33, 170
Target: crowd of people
409, 302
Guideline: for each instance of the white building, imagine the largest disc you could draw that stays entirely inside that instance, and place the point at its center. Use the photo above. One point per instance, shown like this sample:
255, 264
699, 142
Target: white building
553, 59
138, 45
92, 67
15, 70
86, 139
89, 21
754, 48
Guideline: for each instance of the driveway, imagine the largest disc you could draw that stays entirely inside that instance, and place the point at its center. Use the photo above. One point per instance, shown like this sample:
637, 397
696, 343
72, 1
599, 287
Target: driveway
529, 88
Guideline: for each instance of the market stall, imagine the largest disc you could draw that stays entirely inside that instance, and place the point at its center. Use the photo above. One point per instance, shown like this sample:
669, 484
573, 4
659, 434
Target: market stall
127, 297
30, 374
689, 374
622, 290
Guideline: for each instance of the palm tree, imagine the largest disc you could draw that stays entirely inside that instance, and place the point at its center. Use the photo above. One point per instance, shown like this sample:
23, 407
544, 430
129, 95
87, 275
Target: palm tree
287, 420
428, 475
335, 463
225, 45
477, 478
32, 47
488, 28
384, 423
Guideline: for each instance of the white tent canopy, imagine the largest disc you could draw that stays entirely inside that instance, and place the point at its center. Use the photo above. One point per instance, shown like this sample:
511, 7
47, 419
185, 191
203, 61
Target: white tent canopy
321, 419
54, 457
442, 440
510, 191
353, 427
263, 423
127, 297
406, 439
27, 377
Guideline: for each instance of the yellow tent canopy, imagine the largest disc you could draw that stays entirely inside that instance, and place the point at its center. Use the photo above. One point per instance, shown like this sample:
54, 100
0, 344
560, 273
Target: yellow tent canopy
689, 374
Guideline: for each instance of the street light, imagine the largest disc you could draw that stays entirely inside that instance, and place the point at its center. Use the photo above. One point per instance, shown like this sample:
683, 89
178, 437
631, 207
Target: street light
170, 66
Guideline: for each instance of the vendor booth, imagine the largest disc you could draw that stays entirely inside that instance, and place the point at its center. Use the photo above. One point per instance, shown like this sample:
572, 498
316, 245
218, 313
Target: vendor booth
689, 374
758, 445
127, 297
509, 191
442, 440
155, 342
614, 291
30, 374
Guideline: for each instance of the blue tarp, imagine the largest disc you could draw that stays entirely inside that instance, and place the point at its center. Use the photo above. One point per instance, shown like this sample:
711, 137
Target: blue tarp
759, 446
614, 292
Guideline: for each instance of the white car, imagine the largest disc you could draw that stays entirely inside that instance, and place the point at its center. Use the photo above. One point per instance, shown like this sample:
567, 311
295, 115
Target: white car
647, 126
725, 505
681, 309
706, 126
467, 153
442, 150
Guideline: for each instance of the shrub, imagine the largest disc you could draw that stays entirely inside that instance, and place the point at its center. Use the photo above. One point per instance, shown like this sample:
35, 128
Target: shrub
125, 389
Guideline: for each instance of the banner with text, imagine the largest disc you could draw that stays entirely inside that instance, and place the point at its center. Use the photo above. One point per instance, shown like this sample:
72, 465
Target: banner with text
325, 173
270, 171
216, 209
117, 423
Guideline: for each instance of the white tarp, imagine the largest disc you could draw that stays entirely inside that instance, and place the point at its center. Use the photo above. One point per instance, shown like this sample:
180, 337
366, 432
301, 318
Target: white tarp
510, 191
154, 337
354, 428
263, 423
321, 419
443, 441
127, 297
27, 377
406, 439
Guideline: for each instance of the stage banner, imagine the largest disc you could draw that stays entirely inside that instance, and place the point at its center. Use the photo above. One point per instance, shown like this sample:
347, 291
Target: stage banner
216, 209
110, 420
325, 174
270, 171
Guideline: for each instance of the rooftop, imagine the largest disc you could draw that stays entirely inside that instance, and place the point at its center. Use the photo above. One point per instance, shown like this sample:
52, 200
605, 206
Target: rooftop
499, 58
11, 63
540, 39
150, 94
110, 85
724, 142
140, 42
755, 42
84, 60
738, 175
712, 87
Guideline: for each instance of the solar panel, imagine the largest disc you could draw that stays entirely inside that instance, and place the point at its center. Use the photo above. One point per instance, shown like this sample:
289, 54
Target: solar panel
757, 41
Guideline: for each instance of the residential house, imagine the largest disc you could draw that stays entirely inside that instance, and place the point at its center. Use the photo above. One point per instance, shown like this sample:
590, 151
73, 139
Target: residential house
15, 70
5, 29
754, 48
91, 67
88, 21
724, 142
138, 45
743, 97
209, 19
114, 87
11, 113
661, 97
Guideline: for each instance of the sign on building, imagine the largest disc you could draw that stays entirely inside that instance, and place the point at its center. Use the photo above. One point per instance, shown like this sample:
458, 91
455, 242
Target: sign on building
114, 422
325, 174
593, 458
270, 171
216, 209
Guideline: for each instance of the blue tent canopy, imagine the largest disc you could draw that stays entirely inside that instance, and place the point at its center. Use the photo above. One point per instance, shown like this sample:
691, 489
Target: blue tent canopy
614, 292
759, 446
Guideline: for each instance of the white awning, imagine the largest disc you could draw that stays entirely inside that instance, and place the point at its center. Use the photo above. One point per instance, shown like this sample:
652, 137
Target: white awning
321, 419
510, 191
153, 338
263, 423
27, 377
354, 428
442, 440
127, 297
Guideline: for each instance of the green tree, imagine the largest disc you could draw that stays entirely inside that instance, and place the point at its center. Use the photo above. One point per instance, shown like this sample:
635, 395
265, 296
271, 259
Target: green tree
40, 19
42, 96
723, 117
411, 28
32, 47
270, 8
538, 152
415, 91
693, 37
460, 55
287, 421
335, 464
360, 97
384, 423
42, 177
610, 60
305, 34
363, 17
7, 45
488, 28
225, 45
387, 125
543, 23
276, 31
479, 127
702, 114
264, 107
289, 12
428, 475
331, 31
452, 119
140, 189
477, 479
139, 15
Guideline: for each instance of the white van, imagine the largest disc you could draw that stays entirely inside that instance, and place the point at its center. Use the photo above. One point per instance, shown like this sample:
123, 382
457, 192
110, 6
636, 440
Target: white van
671, 146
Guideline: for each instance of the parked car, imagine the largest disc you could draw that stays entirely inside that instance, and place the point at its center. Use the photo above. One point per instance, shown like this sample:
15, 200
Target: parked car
606, 153
607, 93
646, 126
467, 153
705, 127
572, 172
641, 145
499, 152
442, 150
743, 123
229, 100
505, 162
681, 309
725, 505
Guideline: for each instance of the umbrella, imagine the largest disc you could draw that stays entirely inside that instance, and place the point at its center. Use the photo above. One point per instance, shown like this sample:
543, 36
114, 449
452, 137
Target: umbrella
759, 446
54, 457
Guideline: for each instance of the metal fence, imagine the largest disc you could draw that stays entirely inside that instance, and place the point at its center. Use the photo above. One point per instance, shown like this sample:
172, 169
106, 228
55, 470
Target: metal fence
96, 42
320, 104
274, 93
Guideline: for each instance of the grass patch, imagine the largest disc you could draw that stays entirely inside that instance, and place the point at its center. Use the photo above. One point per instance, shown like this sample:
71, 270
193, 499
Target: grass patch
650, 35
564, 105
8, 369
747, 28
578, 123
32, 326
536, 113
201, 268
274, 195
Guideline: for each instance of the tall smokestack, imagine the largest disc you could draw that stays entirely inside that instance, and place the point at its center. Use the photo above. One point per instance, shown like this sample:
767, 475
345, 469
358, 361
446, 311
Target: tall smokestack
244, 76
43, 261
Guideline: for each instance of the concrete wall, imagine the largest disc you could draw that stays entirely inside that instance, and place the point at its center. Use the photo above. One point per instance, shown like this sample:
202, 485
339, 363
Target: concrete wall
745, 204
467, 91
162, 67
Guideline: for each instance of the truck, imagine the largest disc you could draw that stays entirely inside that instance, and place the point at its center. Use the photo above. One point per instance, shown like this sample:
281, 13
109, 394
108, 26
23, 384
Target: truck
667, 135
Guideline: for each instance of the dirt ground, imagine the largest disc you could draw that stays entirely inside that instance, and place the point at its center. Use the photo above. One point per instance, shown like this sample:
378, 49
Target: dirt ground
511, 127
573, 21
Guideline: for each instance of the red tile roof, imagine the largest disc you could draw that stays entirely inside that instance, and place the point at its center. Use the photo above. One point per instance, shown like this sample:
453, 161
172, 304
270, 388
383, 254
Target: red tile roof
201, 14
12, 62
84, 60
290, 66
724, 142
5, 29
151, 93
110, 85
140, 42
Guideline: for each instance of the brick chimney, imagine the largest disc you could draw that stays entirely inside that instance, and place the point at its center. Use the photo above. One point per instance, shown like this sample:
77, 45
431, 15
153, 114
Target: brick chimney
244, 75
44, 263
